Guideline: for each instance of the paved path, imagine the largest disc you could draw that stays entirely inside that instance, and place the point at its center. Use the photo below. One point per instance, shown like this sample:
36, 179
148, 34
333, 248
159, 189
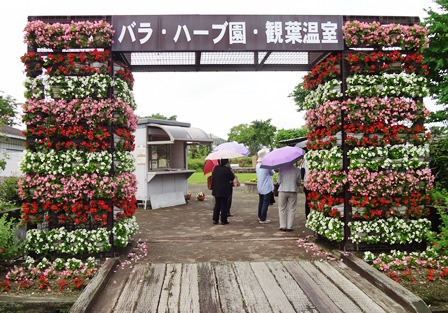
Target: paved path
195, 266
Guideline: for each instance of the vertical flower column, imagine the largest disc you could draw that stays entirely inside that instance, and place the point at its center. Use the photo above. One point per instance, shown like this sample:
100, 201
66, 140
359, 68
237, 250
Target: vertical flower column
388, 174
326, 177
76, 176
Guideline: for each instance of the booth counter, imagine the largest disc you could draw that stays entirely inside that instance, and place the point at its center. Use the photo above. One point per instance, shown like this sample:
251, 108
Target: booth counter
161, 161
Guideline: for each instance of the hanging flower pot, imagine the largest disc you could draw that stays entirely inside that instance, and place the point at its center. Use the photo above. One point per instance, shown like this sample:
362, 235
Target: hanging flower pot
97, 64
56, 92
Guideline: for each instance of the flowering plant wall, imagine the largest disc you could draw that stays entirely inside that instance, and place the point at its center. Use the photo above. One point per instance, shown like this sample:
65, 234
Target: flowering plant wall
84, 34
78, 164
387, 175
363, 34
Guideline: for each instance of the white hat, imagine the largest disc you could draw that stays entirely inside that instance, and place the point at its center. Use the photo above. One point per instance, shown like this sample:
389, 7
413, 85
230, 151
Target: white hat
261, 154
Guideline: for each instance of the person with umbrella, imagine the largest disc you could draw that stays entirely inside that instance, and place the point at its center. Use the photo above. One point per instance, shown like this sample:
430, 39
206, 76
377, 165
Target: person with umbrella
265, 187
283, 158
222, 177
289, 180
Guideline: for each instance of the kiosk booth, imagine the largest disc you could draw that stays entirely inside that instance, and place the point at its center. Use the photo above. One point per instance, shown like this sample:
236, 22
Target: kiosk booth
161, 160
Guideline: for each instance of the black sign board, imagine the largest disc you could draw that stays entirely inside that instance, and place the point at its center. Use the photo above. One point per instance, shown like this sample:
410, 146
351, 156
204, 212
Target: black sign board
146, 33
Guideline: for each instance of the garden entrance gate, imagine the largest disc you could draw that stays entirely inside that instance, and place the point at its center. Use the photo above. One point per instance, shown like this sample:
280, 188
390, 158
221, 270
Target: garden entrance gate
352, 73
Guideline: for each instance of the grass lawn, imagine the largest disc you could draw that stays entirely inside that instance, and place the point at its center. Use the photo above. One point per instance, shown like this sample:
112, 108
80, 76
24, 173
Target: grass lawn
200, 178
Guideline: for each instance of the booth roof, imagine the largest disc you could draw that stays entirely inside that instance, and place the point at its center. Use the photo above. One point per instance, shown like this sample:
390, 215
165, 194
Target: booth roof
178, 131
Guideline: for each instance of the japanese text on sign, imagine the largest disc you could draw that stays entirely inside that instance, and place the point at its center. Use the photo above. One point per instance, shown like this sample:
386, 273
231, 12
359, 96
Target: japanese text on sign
208, 33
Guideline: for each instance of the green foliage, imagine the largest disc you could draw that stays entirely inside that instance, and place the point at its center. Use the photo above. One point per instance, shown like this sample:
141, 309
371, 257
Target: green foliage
245, 162
255, 136
160, 117
438, 152
8, 112
198, 151
200, 178
10, 244
196, 164
8, 108
299, 94
439, 195
9, 192
3, 161
440, 240
436, 57
285, 134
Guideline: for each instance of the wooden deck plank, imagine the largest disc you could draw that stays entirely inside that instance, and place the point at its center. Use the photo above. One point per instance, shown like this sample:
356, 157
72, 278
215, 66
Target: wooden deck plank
274, 294
151, 289
292, 290
189, 293
336, 295
208, 292
317, 296
228, 290
254, 297
383, 300
131, 291
169, 298
350, 289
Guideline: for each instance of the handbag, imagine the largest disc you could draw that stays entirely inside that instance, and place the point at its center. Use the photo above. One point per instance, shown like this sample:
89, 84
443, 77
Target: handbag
210, 182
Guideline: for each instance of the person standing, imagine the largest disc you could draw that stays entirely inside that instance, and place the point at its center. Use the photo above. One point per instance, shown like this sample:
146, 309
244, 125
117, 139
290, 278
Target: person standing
222, 185
289, 180
265, 187
304, 173
235, 183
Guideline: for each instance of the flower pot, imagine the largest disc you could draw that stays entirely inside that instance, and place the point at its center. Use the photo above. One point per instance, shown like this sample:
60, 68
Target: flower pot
200, 198
97, 64
56, 92
356, 135
376, 136
117, 139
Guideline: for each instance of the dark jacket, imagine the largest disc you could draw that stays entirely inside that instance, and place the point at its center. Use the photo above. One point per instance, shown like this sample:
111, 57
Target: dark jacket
222, 181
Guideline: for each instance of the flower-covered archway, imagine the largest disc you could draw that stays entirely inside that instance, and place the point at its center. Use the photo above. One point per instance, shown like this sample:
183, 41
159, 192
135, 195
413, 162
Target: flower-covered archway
368, 157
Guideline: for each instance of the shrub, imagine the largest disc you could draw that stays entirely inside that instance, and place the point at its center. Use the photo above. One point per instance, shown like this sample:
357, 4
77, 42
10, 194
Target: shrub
9, 191
196, 164
10, 244
439, 159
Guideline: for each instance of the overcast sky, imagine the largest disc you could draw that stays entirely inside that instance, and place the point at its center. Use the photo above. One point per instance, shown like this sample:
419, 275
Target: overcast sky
214, 102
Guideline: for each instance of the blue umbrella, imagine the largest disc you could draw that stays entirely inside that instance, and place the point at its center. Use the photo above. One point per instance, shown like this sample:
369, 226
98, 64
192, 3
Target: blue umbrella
235, 146
281, 156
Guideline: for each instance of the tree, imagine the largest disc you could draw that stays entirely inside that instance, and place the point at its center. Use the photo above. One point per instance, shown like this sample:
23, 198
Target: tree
8, 107
299, 94
436, 58
285, 134
255, 136
439, 159
160, 117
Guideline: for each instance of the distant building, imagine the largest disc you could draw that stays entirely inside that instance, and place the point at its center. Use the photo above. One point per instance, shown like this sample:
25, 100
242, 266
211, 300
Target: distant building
216, 140
12, 143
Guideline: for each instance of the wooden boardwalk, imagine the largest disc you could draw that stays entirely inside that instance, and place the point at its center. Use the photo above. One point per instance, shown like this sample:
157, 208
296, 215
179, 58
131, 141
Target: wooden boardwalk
237, 287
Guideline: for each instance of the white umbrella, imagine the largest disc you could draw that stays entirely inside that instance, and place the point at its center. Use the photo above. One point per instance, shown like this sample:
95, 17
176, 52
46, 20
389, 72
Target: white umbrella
233, 146
224, 154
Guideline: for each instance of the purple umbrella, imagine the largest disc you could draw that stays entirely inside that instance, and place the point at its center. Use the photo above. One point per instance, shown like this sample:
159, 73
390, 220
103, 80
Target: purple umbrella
281, 156
235, 146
